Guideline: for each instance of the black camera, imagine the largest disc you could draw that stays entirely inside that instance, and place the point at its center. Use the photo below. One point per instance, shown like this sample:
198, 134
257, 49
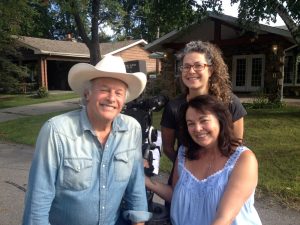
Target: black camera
141, 109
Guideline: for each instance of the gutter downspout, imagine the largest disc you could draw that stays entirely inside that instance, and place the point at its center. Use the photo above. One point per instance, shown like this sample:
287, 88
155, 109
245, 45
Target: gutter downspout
284, 51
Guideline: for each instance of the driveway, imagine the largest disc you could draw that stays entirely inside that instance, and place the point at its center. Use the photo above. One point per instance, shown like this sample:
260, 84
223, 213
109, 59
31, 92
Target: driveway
15, 161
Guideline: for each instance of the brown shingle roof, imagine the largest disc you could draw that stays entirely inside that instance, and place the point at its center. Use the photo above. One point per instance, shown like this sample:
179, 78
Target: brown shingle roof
71, 48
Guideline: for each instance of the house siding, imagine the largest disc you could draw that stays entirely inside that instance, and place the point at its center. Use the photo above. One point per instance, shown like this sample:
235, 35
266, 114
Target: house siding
51, 70
138, 53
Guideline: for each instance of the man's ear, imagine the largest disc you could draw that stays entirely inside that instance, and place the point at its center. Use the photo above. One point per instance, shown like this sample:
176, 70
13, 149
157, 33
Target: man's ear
87, 94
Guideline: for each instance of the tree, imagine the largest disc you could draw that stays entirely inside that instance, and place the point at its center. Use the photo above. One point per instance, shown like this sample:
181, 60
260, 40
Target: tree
88, 16
150, 19
12, 22
288, 10
146, 19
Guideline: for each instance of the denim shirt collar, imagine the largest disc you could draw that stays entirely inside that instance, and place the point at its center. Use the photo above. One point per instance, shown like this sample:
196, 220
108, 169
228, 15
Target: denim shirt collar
118, 122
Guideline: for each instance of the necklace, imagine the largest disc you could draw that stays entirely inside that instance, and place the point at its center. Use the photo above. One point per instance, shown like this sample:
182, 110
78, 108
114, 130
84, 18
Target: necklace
210, 165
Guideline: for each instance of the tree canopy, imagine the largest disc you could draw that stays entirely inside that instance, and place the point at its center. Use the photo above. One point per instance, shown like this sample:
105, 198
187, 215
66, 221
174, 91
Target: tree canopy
147, 19
256, 10
13, 22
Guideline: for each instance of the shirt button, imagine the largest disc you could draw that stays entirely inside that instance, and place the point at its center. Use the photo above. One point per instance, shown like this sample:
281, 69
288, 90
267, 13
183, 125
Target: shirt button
103, 186
103, 165
106, 146
103, 207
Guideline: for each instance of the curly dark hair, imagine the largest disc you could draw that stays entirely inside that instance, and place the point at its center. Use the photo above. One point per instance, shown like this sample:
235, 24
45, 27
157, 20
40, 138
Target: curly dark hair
219, 82
226, 139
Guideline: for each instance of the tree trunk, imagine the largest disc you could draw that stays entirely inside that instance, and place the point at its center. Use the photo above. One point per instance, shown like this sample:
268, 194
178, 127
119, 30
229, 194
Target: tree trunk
93, 43
291, 25
94, 48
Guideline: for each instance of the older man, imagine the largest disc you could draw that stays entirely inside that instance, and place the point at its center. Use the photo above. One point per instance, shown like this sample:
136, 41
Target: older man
87, 168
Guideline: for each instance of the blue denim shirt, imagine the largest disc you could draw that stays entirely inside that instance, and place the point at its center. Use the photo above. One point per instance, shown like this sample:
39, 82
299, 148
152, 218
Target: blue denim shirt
74, 180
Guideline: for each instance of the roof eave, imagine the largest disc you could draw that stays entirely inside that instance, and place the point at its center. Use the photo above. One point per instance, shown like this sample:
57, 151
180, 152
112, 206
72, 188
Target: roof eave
155, 45
64, 54
142, 41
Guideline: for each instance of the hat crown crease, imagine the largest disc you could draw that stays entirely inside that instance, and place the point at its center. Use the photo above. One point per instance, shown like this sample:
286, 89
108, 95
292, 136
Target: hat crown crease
106, 65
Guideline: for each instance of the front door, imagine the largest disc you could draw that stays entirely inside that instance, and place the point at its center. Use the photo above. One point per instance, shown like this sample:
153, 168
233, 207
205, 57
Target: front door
248, 73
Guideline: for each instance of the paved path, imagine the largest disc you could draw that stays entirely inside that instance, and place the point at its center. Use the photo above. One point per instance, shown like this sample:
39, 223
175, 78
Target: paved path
15, 161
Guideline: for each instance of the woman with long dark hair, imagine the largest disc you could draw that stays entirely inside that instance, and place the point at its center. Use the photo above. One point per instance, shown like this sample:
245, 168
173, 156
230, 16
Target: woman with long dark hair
214, 177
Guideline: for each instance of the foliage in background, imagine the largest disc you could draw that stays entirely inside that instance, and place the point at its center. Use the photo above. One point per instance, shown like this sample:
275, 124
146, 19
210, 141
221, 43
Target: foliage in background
13, 15
150, 19
147, 19
42, 92
251, 11
261, 101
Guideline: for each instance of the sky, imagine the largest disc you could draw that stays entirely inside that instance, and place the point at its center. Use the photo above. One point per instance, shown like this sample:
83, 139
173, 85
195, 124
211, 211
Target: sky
232, 11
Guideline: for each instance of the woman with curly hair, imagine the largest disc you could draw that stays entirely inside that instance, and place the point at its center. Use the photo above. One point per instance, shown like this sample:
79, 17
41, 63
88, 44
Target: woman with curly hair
203, 72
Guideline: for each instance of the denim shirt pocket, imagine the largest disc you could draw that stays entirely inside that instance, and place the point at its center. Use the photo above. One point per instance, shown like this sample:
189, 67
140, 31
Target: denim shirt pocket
77, 173
123, 162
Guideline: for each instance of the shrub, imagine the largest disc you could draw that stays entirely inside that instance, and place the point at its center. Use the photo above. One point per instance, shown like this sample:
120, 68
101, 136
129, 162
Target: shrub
42, 92
261, 101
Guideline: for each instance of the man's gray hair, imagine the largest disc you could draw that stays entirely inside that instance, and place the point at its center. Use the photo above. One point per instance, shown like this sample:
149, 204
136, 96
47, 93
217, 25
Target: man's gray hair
87, 87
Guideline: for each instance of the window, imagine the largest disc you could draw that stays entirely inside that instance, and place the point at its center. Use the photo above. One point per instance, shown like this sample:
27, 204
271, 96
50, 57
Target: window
256, 72
240, 72
298, 70
248, 72
288, 69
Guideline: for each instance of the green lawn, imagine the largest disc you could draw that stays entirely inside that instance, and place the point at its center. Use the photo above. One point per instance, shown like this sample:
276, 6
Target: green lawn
273, 134
8, 101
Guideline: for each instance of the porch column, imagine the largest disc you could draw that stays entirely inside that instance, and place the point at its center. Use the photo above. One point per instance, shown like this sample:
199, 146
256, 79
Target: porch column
277, 65
44, 75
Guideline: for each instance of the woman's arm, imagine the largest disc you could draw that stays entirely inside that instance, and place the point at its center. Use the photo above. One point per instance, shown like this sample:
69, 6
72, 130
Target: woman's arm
164, 191
238, 128
241, 185
168, 142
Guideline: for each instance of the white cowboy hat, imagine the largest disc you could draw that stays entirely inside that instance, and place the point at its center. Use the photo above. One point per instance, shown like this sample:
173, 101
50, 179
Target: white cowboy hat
111, 67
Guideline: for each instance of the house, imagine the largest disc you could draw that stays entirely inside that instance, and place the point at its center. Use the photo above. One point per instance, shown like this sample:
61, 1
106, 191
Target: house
258, 61
48, 61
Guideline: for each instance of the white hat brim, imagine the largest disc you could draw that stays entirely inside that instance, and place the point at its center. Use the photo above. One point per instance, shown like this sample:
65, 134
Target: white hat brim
83, 72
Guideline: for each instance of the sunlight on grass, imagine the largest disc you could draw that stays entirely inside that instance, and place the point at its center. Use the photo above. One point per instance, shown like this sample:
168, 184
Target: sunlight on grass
8, 101
24, 130
274, 137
